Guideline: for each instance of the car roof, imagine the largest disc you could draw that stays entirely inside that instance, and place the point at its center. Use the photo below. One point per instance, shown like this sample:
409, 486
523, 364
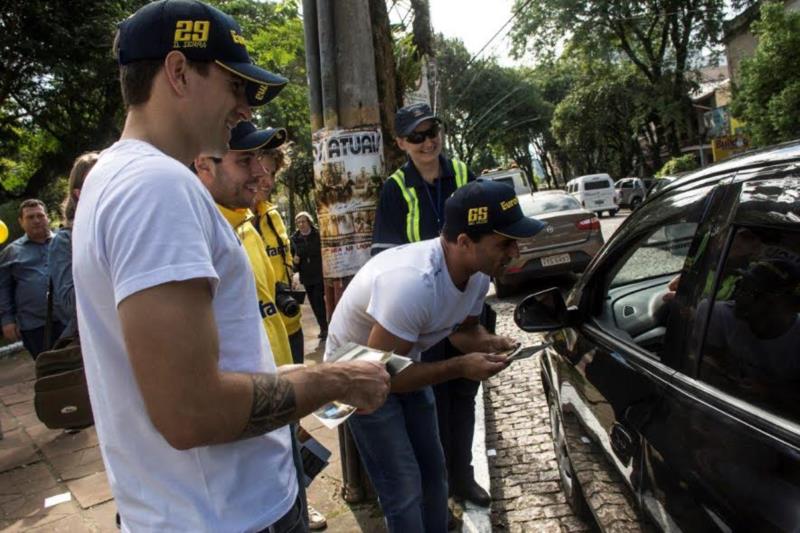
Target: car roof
780, 153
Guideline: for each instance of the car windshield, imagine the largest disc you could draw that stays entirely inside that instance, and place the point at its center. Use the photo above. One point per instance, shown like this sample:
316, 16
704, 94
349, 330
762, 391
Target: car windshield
548, 203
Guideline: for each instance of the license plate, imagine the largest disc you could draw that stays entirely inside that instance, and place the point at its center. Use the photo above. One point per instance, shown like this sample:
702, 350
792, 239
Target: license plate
555, 260
599, 202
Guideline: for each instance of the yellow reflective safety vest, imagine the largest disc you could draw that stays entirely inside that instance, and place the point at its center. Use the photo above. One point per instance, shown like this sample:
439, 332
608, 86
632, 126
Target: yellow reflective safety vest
412, 201
240, 220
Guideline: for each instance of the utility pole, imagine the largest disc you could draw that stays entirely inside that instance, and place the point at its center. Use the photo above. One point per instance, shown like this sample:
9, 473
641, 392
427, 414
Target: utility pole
348, 143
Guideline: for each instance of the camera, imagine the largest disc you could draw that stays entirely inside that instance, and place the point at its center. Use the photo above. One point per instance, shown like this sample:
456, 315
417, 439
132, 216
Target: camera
285, 301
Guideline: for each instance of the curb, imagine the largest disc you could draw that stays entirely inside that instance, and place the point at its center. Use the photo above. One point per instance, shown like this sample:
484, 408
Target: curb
11, 349
477, 519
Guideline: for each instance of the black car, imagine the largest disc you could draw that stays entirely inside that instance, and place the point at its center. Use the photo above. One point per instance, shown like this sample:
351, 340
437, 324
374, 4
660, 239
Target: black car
673, 377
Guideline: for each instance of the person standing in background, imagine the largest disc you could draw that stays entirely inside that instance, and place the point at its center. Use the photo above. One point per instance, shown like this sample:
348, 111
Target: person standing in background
60, 257
307, 251
269, 224
24, 279
410, 209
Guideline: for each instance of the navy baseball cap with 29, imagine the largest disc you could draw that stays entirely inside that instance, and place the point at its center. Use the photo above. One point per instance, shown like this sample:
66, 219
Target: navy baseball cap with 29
486, 206
202, 33
246, 137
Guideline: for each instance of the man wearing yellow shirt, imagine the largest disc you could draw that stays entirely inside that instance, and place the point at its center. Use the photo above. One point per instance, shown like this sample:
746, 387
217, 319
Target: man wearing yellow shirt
232, 182
270, 224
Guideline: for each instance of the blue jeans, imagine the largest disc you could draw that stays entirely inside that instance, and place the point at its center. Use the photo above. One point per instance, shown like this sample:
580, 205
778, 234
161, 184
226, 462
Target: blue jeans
399, 444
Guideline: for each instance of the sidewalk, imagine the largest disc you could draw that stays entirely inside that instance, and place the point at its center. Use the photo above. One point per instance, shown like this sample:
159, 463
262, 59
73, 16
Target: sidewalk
37, 463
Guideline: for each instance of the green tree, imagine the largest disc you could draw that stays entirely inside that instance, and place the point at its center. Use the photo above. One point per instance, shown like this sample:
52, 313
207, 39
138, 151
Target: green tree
767, 96
492, 113
677, 165
596, 123
663, 40
59, 94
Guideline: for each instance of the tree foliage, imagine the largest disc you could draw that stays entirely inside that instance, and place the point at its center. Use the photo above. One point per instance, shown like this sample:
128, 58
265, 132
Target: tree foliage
677, 165
597, 122
59, 93
492, 113
662, 40
767, 97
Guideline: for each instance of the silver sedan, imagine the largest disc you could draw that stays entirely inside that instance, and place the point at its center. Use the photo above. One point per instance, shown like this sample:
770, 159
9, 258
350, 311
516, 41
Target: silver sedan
567, 243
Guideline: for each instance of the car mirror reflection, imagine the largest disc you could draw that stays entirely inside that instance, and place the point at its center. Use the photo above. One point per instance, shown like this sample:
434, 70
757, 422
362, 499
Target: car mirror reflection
542, 311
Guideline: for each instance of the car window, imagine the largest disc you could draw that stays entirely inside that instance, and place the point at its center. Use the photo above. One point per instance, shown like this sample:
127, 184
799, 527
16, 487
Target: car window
627, 185
548, 203
507, 181
638, 282
596, 185
662, 252
752, 343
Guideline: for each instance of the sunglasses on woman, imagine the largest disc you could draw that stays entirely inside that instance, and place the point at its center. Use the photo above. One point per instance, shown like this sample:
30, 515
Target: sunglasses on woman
416, 137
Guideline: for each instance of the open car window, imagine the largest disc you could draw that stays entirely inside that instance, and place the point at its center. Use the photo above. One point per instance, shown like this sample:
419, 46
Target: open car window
640, 284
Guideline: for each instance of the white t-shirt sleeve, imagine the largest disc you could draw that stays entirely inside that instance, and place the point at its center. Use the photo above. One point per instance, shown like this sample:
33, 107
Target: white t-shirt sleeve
401, 302
163, 233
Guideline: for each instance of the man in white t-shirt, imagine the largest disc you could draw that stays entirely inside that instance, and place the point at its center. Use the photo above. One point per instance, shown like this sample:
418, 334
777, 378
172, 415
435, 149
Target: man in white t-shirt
407, 299
190, 410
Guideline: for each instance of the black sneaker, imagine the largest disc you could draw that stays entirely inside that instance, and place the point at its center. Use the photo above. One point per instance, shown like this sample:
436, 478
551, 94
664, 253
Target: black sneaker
472, 492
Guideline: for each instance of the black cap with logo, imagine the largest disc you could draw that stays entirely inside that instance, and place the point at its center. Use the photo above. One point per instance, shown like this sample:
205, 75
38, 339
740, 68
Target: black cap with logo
486, 206
245, 137
409, 117
202, 33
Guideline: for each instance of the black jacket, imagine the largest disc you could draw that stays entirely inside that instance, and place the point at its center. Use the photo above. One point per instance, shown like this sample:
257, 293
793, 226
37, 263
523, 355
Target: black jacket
307, 249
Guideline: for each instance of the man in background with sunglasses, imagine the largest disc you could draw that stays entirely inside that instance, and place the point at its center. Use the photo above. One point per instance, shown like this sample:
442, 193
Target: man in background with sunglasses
411, 208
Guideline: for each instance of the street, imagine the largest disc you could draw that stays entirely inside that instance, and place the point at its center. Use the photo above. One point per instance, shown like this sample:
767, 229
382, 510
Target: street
525, 484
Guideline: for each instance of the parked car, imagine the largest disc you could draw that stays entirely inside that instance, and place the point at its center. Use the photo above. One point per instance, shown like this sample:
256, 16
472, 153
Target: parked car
631, 192
595, 192
512, 176
663, 181
673, 377
567, 243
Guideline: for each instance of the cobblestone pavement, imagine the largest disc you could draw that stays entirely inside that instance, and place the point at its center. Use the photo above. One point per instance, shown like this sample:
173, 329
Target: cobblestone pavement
524, 478
526, 490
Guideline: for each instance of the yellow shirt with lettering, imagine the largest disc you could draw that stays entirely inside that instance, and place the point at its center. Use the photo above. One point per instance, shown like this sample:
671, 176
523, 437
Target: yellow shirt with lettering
274, 244
240, 219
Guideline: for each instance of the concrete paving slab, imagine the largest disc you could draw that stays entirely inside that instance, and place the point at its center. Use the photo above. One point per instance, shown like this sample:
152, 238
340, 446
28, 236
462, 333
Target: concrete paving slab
66, 443
16, 393
78, 464
103, 517
91, 490
16, 369
16, 449
22, 495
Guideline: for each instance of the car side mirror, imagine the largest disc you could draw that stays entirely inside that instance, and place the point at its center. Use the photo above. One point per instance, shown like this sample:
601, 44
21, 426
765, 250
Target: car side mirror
542, 311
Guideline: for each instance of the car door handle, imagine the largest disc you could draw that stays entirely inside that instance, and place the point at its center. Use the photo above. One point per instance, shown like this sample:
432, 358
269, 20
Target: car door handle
622, 443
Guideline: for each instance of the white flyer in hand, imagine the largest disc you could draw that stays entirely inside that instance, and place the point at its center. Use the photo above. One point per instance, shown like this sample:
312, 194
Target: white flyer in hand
334, 413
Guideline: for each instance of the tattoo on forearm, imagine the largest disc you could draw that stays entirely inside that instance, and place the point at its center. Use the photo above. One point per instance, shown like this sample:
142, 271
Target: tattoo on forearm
274, 405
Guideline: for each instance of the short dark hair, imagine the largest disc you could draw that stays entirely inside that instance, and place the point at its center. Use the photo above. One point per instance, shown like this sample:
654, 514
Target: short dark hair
31, 202
451, 234
136, 79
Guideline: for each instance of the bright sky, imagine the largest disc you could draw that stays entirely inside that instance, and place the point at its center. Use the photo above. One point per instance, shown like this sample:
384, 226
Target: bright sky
475, 22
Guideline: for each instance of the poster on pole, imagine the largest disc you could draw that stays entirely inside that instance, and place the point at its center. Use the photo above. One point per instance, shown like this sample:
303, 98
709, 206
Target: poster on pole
348, 172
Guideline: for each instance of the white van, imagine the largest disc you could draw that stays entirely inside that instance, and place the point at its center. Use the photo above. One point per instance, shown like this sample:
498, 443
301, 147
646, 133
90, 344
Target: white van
512, 176
595, 192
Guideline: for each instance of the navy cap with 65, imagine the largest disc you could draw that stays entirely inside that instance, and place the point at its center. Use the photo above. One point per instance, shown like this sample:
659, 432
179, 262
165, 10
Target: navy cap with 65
486, 206
202, 33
